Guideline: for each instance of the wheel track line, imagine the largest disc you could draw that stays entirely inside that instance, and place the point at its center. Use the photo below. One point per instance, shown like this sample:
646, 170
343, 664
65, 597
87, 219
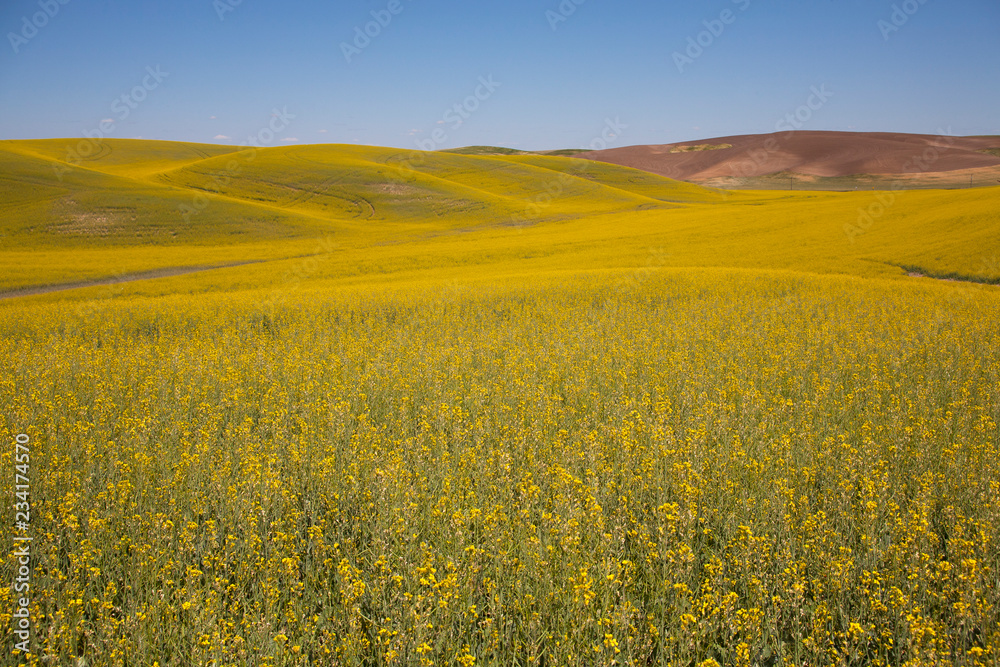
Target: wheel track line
137, 276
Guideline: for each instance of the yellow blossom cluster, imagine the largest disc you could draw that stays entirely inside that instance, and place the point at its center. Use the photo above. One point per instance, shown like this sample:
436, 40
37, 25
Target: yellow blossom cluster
704, 467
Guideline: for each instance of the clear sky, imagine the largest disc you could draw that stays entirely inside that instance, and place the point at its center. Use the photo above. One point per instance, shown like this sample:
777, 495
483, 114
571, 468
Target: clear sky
556, 71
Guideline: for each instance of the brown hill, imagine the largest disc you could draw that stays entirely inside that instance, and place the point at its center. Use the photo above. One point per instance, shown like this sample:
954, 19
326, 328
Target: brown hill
811, 154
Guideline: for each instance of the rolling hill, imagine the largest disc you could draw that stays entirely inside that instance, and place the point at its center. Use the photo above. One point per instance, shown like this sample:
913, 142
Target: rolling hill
145, 209
834, 160
130, 192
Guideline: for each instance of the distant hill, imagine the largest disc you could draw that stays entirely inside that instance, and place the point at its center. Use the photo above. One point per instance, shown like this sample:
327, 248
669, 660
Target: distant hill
838, 160
74, 212
68, 192
499, 150
485, 150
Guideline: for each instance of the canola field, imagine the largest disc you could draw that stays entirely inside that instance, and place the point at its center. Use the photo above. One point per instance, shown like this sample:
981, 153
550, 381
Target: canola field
700, 430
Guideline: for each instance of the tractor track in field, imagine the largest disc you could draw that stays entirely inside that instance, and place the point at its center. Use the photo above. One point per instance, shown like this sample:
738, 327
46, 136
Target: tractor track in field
165, 272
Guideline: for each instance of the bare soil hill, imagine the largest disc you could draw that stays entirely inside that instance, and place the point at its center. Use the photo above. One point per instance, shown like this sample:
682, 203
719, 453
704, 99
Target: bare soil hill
840, 160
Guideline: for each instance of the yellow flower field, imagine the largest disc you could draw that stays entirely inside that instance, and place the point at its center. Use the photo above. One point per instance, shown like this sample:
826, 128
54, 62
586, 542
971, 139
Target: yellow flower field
676, 466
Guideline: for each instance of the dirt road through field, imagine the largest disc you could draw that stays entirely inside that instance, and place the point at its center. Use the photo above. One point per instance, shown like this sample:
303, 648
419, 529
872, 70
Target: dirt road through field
124, 278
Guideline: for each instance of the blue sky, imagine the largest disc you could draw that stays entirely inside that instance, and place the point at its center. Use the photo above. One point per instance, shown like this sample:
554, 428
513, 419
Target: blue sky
560, 74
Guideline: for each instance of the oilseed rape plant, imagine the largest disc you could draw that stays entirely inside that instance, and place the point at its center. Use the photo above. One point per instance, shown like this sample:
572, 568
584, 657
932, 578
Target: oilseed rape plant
702, 467
382, 407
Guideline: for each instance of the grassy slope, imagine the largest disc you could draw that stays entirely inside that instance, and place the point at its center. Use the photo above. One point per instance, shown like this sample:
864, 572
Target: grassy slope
407, 214
50, 203
126, 157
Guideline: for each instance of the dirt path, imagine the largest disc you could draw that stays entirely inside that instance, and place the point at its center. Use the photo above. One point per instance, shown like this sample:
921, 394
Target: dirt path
916, 274
123, 278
